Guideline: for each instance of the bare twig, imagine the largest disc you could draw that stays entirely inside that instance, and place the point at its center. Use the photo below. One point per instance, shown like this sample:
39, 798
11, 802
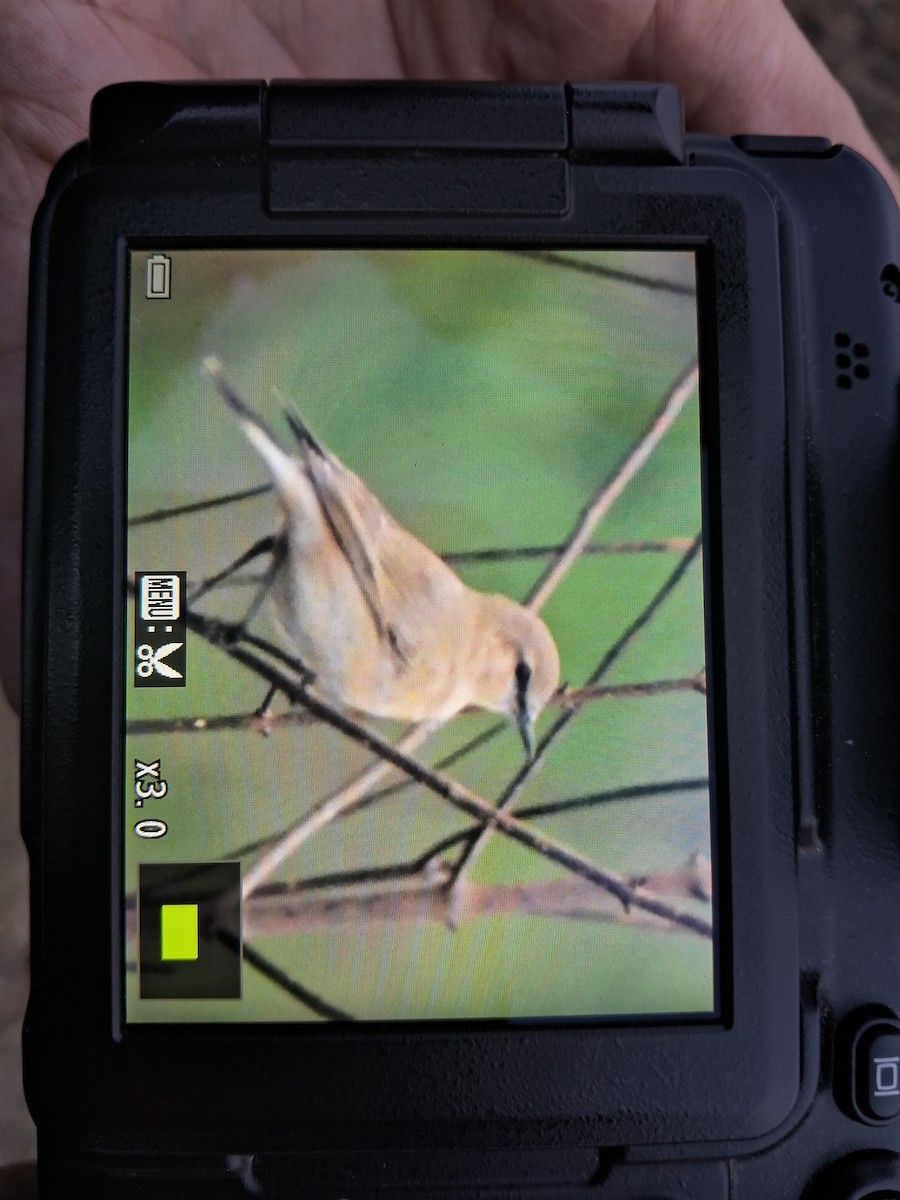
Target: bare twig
251, 721
612, 488
500, 554
576, 697
424, 897
633, 791
652, 284
565, 698
329, 810
164, 514
467, 747
281, 979
636, 791
675, 545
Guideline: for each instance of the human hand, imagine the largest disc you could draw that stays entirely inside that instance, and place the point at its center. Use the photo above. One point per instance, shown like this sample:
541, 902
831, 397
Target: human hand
742, 66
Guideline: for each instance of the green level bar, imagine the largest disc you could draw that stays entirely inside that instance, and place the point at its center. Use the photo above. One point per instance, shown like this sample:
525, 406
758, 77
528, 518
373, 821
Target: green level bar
179, 932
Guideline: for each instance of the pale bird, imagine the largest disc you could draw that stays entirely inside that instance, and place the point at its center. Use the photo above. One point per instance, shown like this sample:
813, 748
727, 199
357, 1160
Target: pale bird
382, 623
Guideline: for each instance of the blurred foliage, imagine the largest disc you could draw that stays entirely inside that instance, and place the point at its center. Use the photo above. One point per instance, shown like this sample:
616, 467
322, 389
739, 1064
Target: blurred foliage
483, 396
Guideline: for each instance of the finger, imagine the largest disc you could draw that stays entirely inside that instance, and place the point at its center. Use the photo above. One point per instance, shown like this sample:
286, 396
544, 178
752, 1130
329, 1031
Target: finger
743, 66
10, 581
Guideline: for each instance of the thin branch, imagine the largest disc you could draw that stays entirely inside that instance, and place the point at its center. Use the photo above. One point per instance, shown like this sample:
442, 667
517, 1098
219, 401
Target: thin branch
163, 514
217, 634
501, 554
329, 810
637, 791
675, 545
289, 660
454, 793
612, 488
222, 634
251, 721
652, 284
576, 697
280, 978
265, 545
471, 744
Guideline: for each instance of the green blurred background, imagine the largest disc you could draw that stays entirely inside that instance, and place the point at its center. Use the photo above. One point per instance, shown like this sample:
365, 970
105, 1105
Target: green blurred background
483, 396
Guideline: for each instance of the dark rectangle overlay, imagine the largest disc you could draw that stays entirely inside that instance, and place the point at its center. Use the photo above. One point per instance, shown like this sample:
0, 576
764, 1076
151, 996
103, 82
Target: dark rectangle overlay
160, 631
215, 972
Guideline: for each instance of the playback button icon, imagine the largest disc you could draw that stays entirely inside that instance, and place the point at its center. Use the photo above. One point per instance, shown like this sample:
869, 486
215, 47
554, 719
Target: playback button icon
873, 1094
190, 931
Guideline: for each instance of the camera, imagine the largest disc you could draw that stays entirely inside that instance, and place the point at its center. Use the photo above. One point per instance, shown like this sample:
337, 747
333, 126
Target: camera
460, 679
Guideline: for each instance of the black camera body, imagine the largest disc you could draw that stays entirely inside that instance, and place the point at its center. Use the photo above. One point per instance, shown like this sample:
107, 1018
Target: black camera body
792, 1087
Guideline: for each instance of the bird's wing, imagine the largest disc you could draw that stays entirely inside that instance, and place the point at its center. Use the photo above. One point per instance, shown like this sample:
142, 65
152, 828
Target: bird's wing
355, 536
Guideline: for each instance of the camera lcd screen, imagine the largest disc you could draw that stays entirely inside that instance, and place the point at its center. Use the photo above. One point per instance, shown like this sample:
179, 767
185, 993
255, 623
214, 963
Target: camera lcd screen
416, 721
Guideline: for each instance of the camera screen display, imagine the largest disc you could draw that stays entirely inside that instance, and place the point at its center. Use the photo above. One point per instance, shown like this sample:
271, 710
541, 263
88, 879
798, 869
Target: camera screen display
416, 721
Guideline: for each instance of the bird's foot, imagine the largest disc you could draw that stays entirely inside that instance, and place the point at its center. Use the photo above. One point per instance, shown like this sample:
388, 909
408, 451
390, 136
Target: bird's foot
225, 633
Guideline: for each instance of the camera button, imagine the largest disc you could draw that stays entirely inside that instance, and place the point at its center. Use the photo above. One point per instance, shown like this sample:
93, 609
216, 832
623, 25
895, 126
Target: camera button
869, 1175
781, 146
875, 1092
879, 1073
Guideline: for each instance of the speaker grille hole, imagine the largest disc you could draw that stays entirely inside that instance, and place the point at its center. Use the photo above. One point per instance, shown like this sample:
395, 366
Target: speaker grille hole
847, 360
890, 282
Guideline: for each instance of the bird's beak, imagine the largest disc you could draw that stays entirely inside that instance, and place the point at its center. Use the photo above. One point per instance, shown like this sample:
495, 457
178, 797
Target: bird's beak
526, 729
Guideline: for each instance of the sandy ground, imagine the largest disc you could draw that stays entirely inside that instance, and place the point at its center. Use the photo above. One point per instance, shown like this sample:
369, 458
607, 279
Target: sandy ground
861, 42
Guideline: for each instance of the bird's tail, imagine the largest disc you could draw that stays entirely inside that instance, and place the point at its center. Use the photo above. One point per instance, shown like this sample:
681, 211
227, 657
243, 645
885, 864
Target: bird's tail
282, 467
302, 433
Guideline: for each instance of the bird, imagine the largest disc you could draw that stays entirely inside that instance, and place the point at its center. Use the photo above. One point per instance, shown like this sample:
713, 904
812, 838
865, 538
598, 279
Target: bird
384, 626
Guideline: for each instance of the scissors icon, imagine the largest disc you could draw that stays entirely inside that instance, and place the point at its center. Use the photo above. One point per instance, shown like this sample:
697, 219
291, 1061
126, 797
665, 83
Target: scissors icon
151, 660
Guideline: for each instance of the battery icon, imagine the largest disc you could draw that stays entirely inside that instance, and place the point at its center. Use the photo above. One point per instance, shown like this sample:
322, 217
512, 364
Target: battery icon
159, 277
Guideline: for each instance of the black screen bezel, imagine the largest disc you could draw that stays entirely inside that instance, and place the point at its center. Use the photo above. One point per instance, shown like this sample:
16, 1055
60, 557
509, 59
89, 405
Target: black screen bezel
380, 1085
